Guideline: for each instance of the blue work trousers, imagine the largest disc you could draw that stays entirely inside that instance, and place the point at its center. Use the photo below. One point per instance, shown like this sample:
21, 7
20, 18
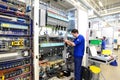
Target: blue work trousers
77, 66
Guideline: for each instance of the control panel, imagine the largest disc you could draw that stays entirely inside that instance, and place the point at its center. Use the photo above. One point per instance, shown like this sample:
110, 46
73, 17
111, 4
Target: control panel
15, 41
51, 44
69, 57
51, 53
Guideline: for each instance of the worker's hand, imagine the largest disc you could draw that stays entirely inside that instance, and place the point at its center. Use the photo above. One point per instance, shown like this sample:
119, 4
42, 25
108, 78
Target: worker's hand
65, 40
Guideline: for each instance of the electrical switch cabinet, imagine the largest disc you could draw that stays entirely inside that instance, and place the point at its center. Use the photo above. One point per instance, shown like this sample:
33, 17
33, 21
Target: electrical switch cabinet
15, 41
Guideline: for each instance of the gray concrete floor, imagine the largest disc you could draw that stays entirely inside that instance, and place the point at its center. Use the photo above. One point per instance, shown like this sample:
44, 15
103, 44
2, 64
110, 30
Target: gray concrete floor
112, 72
63, 78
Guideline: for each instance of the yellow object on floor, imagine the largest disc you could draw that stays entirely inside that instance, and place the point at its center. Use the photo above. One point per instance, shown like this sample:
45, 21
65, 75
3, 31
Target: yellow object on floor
95, 69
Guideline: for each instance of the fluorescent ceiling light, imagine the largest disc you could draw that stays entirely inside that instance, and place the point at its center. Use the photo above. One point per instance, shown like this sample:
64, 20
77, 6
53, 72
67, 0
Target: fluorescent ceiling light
100, 3
22, 0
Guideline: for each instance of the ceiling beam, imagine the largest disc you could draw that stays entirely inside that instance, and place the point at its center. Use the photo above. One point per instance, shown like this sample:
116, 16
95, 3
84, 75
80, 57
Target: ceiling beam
84, 2
111, 9
95, 4
112, 5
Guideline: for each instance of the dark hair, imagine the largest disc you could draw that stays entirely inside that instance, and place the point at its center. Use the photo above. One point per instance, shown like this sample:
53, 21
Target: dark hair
104, 37
74, 31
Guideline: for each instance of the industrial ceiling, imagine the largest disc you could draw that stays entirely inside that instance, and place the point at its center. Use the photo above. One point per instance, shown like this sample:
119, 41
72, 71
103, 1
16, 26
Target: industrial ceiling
105, 7
108, 10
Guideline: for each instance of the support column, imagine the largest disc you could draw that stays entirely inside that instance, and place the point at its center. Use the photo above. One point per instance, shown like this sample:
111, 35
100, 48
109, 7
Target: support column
36, 39
82, 26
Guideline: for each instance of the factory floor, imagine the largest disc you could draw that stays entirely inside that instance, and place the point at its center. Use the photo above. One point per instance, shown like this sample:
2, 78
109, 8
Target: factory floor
63, 78
112, 72
109, 72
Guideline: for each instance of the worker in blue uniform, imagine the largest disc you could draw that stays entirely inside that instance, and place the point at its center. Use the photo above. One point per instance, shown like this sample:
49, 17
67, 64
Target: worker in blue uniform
79, 46
103, 45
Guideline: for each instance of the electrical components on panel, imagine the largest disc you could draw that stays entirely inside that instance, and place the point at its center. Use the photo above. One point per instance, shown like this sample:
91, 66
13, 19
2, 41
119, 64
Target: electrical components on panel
51, 61
15, 38
13, 69
55, 14
17, 72
56, 19
14, 43
14, 5
13, 28
13, 8
51, 55
53, 48
14, 63
50, 68
51, 45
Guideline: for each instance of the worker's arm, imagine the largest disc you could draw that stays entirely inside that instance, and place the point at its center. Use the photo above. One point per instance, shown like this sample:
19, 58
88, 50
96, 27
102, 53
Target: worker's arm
70, 43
